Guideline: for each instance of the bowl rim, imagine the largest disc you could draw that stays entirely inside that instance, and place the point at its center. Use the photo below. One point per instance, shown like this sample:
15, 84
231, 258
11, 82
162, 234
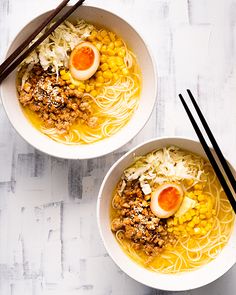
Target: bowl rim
107, 247
117, 145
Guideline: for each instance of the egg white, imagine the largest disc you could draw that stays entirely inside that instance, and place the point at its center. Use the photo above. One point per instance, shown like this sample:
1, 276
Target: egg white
85, 74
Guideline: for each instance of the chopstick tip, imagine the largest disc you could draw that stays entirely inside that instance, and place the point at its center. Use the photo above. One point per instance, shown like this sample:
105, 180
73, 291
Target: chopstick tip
189, 91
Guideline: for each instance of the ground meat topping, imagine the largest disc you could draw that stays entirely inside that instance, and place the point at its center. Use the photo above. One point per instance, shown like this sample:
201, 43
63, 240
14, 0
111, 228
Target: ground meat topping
54, 102
136, 222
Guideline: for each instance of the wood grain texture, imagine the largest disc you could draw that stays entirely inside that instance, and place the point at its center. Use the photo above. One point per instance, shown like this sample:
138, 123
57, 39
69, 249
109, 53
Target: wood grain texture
49, 240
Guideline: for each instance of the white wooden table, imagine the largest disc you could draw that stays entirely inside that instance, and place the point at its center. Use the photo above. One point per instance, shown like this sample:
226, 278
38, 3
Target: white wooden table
49, 240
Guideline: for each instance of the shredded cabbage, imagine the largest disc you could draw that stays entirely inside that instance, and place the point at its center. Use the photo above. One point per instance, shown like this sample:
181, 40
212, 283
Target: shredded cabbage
54, 51
165, 165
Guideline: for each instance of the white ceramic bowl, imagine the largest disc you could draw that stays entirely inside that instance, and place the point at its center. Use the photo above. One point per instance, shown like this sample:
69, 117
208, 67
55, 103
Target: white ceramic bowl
172, 282
140, 117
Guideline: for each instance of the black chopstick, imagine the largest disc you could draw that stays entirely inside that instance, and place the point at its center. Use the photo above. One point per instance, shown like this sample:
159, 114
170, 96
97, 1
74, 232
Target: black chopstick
31, 37
39, 41
214, 143
210, 156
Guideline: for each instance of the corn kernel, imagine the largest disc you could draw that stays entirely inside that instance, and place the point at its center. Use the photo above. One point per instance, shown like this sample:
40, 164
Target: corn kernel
111, 45
92, 35
192, 212
198, 186
91, 38
189, 182
66, 76
209, 203
191, 224
189, 229
119, 61
116, 49
91, 81
62, 72
104, 67
170, 221
103, 33
203, 231
181, 221
106, 40
183, 218
208, 227
114, 69
196, 219
107, 75
98, 74
103, 58
110, 52
72, 86
175, 222
193, 197
99, 37
111, 63
203, 210
121, 52
112, 36
208, 215
197, 230
125, 72
87, 88
93, 93
188, 216
118, 43
202, 216
103, 49
181, 228
115, 77
97, 84
201, 197
98, 45
100, 79
82, 86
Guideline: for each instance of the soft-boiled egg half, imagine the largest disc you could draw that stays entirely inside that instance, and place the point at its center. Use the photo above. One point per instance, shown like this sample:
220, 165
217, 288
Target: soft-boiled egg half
166, 200
84, 61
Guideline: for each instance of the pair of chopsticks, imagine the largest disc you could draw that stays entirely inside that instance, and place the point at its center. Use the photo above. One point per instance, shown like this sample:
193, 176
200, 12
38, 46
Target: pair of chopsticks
17, 56
223, 162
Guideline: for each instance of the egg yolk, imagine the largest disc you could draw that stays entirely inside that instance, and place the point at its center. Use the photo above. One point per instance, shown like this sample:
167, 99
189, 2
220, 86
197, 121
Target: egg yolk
83, 58
169, 198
